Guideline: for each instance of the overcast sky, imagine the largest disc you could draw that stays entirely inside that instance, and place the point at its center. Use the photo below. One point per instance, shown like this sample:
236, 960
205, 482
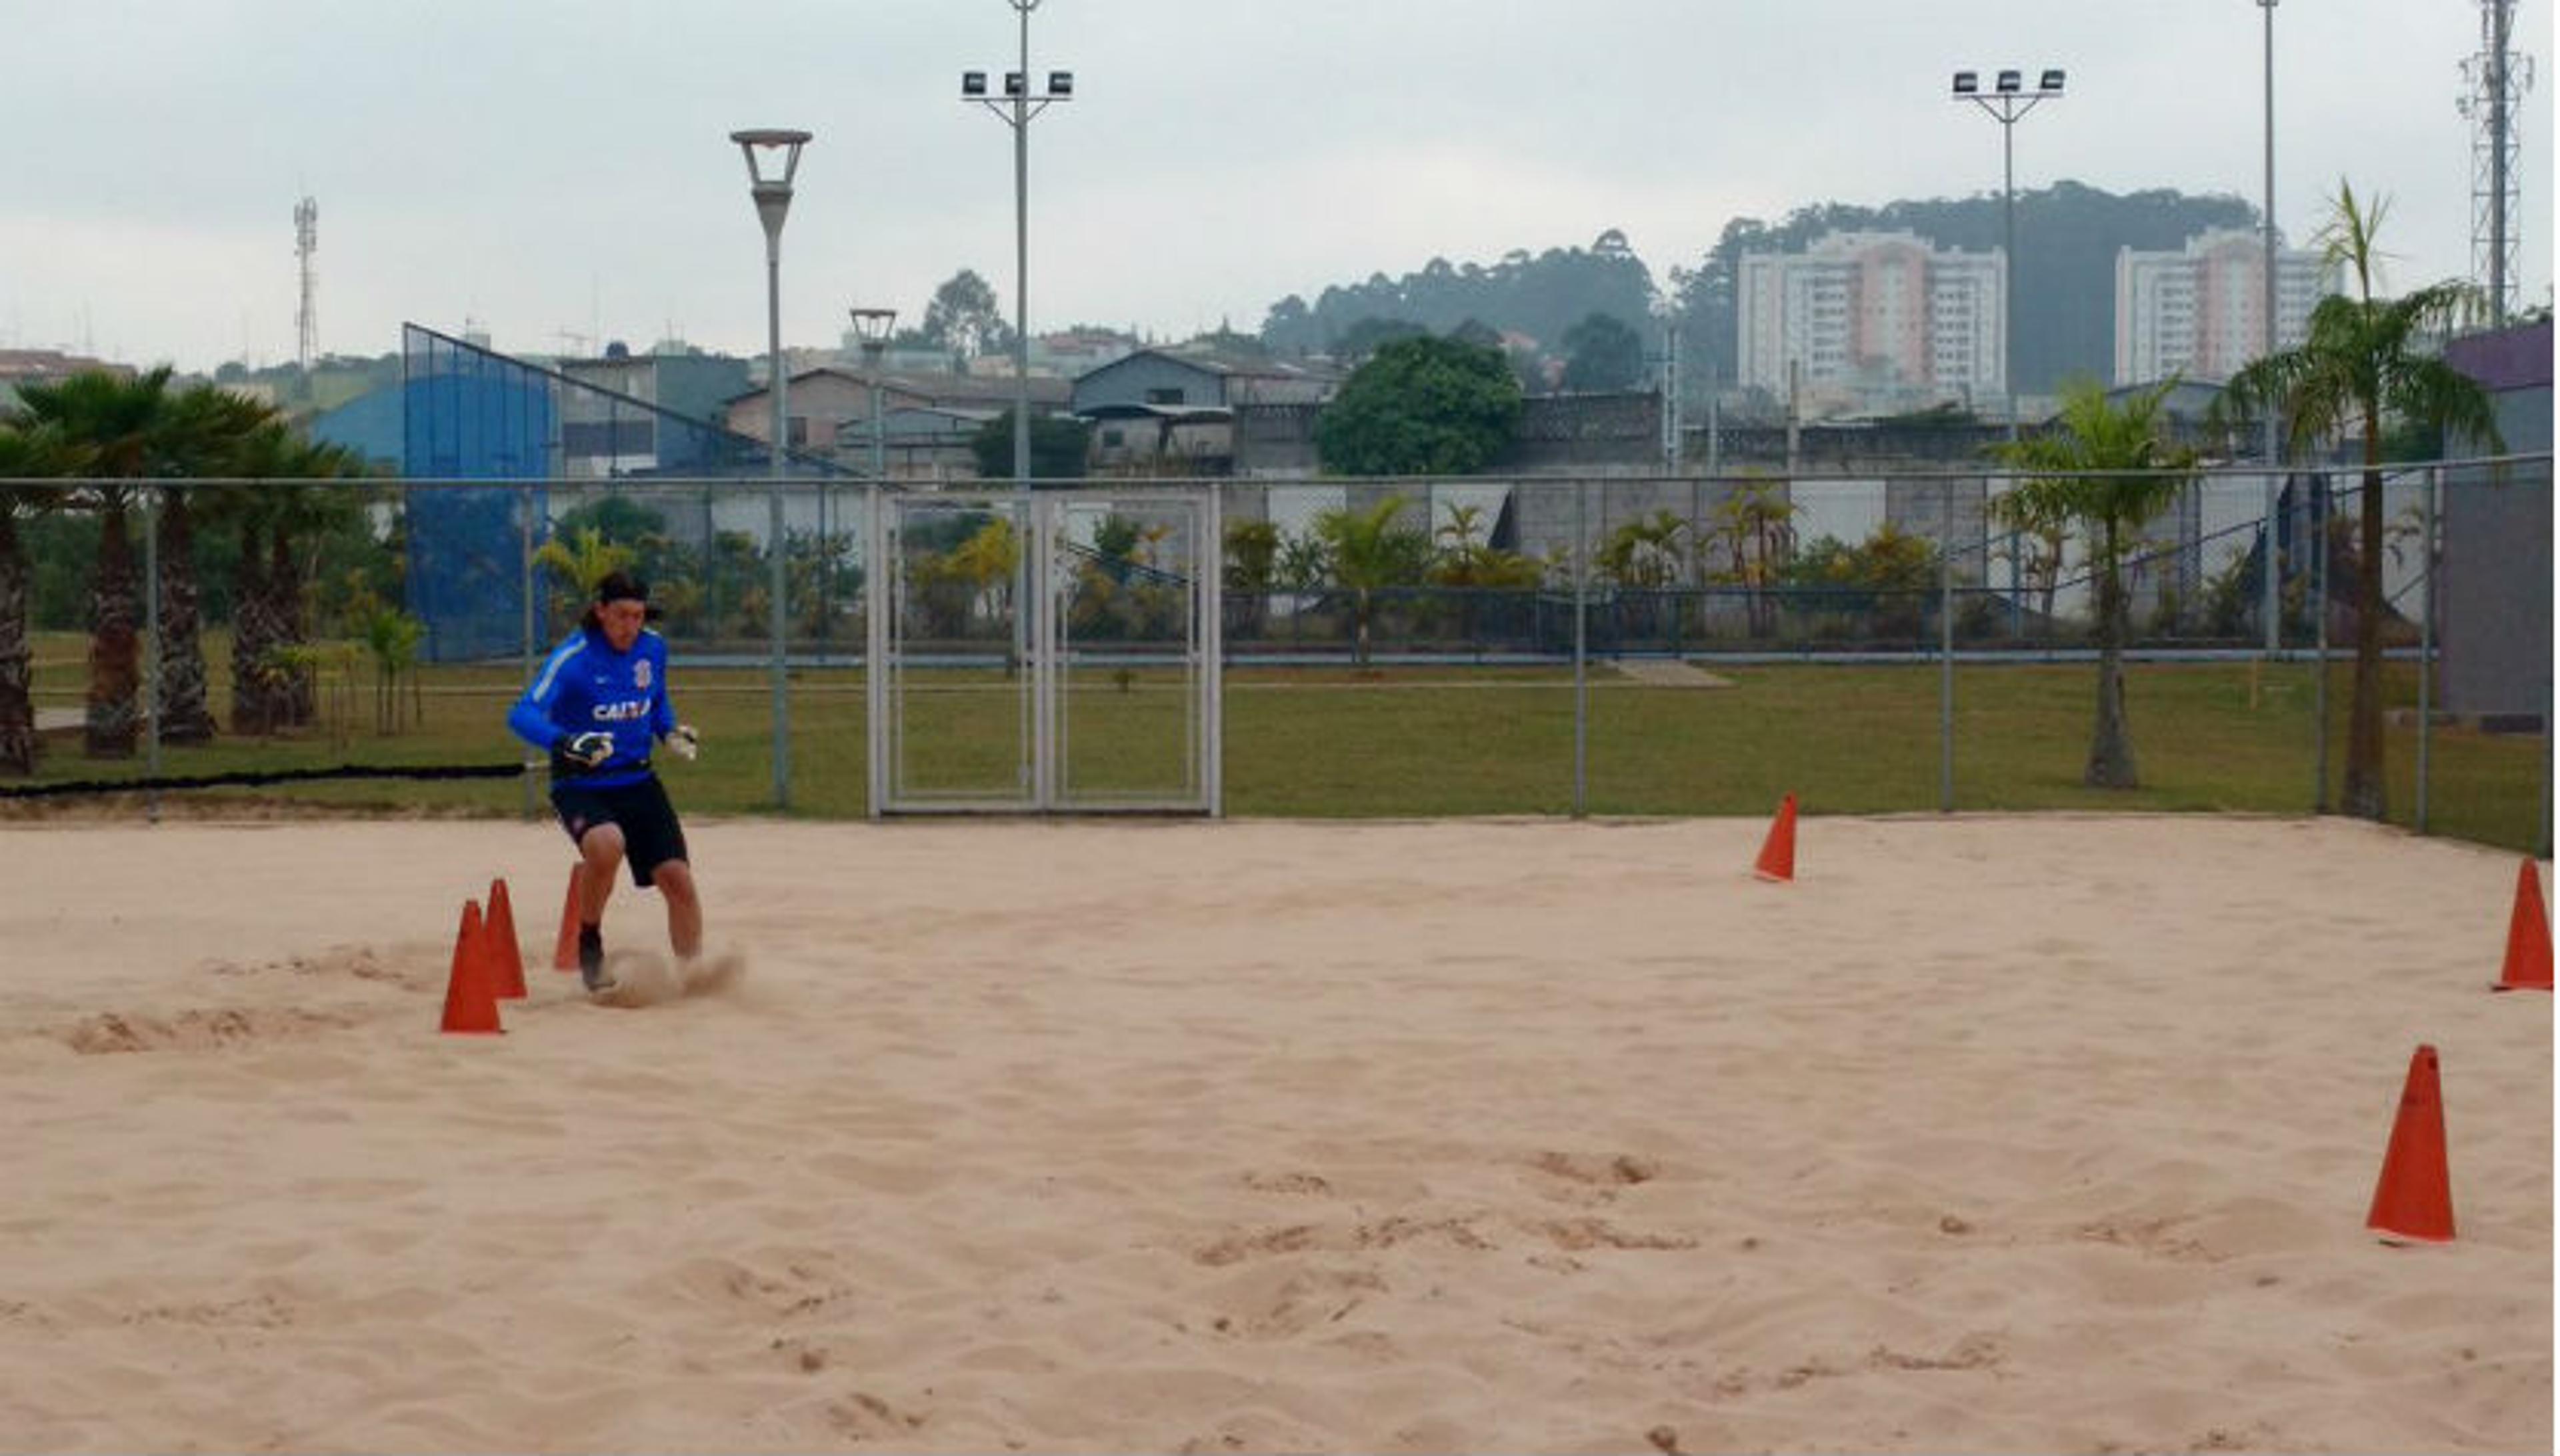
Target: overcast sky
546, 168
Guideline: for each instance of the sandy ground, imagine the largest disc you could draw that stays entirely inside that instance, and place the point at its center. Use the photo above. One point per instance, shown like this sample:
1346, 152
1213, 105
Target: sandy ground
1991, 1134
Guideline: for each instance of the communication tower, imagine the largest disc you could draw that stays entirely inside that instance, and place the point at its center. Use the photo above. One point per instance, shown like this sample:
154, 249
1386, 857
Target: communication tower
2492, 82
306, 242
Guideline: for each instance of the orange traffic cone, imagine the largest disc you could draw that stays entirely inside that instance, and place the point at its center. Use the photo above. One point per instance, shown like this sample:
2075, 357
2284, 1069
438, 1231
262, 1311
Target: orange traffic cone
1778, 852
564, 954
469, 1005
505, 957
2414, 1201
2529, 937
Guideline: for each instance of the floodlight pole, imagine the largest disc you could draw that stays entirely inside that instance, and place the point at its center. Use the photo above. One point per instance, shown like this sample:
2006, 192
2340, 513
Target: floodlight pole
772, 195
1017, 110
2008, 102
2267, 593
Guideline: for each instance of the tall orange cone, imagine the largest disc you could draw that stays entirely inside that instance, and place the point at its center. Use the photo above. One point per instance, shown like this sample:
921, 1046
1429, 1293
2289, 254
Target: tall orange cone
564, 954
1778, 852
2529, 937
505, 957
2414, 1201
469, 1005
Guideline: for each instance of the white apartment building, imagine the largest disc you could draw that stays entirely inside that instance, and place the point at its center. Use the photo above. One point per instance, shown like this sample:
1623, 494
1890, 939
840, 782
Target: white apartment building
2196, 312
1876, 321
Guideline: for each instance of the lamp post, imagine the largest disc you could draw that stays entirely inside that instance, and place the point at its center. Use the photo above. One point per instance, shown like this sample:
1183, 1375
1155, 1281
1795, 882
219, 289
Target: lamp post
871, 326
1017, 109
2008, 101
2267, 595
772, 195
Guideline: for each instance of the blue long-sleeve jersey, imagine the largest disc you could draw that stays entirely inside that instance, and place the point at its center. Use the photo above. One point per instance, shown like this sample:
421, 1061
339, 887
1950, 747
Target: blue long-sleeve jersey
587, 687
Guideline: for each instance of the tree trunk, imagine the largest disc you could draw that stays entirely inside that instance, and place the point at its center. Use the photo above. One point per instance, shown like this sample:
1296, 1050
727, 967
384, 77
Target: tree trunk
2364, 796
299, 693
253, 632
18, 743
184, 715
2111, 743
114, 646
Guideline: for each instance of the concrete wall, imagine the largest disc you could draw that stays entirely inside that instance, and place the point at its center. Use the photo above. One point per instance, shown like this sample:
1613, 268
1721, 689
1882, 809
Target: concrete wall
2496, 599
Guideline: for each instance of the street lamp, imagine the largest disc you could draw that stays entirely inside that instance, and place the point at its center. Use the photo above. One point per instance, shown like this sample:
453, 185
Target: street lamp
871, 326
1017, 109
772, 193
2007, 100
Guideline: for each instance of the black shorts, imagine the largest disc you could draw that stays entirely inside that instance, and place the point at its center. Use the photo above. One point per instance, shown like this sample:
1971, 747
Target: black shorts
650, 834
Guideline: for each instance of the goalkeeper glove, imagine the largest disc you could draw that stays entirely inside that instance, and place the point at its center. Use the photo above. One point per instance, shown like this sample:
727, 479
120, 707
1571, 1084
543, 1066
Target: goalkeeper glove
588, 750
683, 742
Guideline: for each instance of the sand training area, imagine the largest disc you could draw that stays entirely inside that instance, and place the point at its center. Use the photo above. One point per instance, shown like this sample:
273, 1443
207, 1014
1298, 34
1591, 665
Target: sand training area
2050, 1133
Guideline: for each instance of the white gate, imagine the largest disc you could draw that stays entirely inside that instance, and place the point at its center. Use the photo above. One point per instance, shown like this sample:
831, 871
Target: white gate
1053, 652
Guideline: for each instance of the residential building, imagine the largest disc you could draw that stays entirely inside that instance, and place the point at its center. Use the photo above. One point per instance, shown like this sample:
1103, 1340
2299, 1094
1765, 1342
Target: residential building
645, 413
928, 418
1178, 408
2199, 311
1873, 322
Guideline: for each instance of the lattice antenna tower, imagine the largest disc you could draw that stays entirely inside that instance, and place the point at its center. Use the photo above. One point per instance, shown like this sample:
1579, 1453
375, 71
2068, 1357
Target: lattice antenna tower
306, 319
2493, 81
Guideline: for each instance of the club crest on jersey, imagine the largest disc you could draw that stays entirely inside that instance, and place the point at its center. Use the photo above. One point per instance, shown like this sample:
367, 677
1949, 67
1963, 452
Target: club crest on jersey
640, 675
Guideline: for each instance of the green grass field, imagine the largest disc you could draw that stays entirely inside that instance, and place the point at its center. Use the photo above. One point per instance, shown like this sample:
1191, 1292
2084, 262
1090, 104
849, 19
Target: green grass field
1339, 743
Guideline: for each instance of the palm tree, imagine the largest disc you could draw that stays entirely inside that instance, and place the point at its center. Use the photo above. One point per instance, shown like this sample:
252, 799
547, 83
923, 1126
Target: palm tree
119, 420
206, 431
24, 455
2362, 365
585, 559
1757, 528
268, 619
2121, 472
1369, 551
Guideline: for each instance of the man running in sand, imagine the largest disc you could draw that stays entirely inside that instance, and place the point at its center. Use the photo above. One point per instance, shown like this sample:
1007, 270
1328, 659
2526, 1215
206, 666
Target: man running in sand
598, 707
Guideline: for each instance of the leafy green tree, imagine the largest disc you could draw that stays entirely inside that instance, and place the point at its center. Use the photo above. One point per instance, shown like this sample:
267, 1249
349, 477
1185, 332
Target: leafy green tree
1363, 338
1420, 407
1602, 353
1884, 578
964, 317
2366, 364
1369, 550
1252, 552
1060, 445
2113, 469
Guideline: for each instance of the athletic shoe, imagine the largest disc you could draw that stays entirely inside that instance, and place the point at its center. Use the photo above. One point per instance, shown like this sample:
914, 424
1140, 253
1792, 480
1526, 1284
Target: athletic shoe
590, 959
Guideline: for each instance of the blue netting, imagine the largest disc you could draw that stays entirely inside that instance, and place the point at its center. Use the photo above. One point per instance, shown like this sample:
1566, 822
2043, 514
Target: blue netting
469, 415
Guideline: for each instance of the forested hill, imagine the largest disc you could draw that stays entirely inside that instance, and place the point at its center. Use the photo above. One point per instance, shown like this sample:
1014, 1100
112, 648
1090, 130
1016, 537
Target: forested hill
2067, 237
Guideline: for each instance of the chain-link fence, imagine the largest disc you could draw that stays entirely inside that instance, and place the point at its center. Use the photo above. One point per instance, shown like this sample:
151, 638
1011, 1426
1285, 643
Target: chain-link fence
1603, 645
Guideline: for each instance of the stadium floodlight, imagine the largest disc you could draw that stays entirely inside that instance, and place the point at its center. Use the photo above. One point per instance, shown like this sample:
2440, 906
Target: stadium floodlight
1017, 109
2006, 107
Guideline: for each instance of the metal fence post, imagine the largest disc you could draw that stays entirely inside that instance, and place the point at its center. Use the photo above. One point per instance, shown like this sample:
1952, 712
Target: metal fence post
1581, 611
2320, 641
152, 682
1947, 651
2426, 637
525, 565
